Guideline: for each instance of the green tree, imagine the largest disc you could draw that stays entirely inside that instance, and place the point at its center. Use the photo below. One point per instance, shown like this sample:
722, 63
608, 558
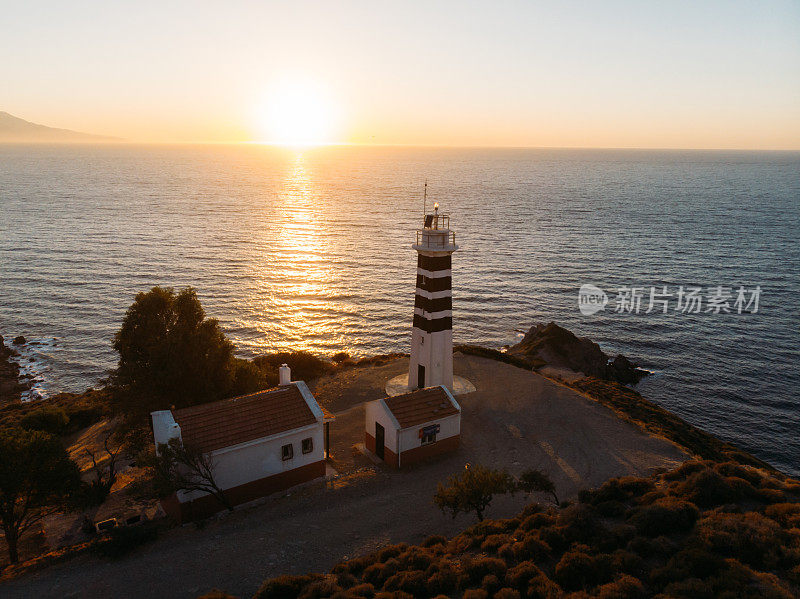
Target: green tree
473, 490
536, 481
170, 353
36, 478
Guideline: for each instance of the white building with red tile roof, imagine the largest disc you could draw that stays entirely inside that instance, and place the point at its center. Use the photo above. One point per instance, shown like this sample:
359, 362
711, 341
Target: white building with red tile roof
409, 428
259, 443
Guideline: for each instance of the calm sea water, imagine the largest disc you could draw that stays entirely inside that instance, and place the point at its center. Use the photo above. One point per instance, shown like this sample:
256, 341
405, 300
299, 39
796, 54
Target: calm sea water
311, 250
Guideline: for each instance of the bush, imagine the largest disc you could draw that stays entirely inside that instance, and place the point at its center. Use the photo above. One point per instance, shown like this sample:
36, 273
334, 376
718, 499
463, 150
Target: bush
750, 538
707, 489
50, 419
493, 542
123, 540
363, 590
305, 366
624, 587
665, 516
532, 547
443, 581
410, 581
578, 570
285, 587
618, 489
476, 569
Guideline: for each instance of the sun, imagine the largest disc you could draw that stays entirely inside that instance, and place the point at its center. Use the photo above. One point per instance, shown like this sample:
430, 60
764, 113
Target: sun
297, 113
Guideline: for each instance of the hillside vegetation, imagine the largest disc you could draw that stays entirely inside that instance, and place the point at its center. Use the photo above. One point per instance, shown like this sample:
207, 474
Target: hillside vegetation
706, 529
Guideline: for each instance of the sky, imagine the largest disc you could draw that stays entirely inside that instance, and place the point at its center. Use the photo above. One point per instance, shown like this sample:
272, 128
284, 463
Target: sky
700, 74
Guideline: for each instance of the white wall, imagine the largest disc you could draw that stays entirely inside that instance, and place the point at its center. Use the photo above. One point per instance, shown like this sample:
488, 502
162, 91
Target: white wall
259, 459
449, 426
376, 411
435, 352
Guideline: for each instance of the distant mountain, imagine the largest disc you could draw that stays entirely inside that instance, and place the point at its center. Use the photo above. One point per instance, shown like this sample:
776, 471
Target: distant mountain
14, 129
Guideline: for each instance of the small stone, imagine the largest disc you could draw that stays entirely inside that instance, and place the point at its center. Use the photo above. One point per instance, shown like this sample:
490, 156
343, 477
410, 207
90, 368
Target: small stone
19, 340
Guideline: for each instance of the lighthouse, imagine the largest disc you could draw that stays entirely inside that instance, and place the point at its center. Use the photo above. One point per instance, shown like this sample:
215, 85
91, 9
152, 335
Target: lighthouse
431, 360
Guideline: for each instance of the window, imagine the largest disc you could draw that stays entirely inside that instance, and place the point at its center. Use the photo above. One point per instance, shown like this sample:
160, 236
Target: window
287, 452
427, 435
308, 445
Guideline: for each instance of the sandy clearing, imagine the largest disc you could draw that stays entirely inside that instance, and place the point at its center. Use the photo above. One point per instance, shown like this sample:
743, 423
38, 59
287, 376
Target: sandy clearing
515, 419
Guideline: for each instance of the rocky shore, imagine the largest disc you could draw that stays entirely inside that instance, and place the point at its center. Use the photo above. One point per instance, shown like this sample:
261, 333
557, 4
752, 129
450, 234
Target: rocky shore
555, 346
11, 385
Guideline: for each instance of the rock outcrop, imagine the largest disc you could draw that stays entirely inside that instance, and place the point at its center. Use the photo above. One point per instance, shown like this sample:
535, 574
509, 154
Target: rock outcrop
558, 347
11, 386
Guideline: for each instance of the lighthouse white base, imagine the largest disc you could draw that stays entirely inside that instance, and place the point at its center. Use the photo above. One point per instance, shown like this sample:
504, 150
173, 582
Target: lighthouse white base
399, 385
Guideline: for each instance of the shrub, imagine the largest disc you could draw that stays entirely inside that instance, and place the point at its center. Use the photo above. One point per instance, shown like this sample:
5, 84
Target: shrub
624, 587
520, 575
618, 489
123, 540
409, 581
748, 473
476, 569
507, 593
434, 540
493, 542
577, 570
536, 521
665, 516
415, 559
686, 469
376, 574
707, 489
443, 581
391, 551
786, 514
285, 587
50, 419
319, 589
490, 583
532, 547
750, 538
579, 523
692, 562
363, 590
305, 366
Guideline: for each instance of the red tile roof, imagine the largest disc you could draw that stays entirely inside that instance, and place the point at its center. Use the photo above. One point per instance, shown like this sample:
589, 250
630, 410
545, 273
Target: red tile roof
219, 424
420, 406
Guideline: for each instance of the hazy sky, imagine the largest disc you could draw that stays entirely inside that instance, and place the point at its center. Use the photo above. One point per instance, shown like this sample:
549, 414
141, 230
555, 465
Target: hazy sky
605, 74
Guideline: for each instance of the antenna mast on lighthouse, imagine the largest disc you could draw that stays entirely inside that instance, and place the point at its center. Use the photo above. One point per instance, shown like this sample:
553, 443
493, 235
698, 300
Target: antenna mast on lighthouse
425, 199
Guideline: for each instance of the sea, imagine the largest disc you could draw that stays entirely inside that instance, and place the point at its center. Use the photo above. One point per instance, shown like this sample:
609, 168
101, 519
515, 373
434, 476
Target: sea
696, 256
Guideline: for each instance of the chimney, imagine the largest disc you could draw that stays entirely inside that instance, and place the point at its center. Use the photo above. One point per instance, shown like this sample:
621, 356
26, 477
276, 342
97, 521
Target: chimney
284, 374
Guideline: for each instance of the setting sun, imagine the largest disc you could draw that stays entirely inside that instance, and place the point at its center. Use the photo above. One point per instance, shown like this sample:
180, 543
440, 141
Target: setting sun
297, 113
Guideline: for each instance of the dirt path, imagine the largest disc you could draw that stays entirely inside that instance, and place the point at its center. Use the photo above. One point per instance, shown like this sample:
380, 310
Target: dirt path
515, 419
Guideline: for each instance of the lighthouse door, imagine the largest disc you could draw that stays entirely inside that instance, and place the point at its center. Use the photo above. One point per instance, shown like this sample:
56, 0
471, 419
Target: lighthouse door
380, 435
420, 376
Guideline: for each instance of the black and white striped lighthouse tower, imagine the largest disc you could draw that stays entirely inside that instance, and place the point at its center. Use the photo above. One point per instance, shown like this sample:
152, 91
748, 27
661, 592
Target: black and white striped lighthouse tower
432, 333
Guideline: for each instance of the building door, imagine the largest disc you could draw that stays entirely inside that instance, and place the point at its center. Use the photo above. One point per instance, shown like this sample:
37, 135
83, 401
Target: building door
380, 436
420, 376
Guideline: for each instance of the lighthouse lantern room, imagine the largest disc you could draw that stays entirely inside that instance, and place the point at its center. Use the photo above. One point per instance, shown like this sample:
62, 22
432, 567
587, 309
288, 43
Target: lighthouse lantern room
431, 360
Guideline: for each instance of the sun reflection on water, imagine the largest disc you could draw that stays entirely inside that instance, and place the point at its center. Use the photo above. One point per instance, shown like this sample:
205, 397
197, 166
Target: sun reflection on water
293, 307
